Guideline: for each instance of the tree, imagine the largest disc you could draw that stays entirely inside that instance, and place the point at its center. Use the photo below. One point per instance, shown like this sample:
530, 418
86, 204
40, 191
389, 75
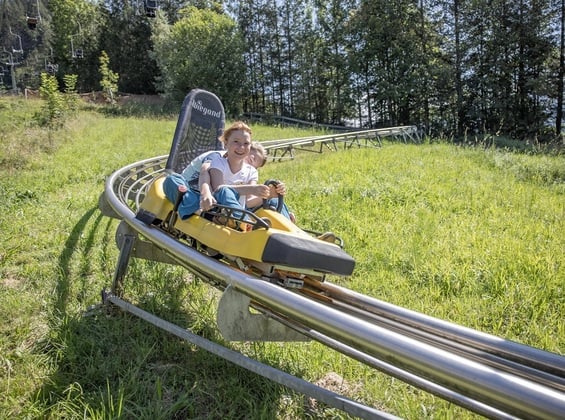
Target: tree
76, 29
560, 72
258, 25
109, 81
453, 66
57, 106
126, 36
332, 22
204, 50
389, 60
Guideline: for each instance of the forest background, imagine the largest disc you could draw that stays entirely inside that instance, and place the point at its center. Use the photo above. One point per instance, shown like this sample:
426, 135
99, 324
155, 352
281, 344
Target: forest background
454, 68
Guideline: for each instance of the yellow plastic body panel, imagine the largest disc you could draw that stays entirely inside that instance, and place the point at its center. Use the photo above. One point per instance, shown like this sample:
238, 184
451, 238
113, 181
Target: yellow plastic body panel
247, 245
278, 221
155, 200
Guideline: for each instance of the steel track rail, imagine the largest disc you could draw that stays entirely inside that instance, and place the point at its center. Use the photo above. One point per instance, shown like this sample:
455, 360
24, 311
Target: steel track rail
533, 364
523, 382
529, 357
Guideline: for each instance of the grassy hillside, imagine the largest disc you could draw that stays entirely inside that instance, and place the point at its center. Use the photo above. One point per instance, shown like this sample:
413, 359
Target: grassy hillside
468, 235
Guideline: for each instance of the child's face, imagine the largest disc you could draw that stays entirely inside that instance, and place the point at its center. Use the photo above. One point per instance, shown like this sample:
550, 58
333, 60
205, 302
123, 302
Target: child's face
238, 144
255, 159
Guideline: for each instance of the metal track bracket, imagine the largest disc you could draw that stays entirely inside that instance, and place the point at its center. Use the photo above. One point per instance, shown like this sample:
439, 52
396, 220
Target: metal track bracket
140, 248
237, 323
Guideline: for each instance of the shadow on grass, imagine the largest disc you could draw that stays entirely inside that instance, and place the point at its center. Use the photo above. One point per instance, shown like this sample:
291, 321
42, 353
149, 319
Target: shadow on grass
113, 365
64, 263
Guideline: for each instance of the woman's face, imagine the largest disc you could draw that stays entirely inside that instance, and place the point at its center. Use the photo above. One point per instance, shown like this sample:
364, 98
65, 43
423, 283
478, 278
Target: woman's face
238, 144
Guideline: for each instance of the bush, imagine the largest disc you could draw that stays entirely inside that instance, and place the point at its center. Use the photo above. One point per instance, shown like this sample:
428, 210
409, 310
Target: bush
57, 105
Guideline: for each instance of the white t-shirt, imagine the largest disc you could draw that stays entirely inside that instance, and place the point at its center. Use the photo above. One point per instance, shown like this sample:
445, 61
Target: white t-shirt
245, 176
192, 172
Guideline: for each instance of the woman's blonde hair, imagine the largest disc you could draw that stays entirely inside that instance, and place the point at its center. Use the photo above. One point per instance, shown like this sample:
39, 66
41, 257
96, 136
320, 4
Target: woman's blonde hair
238, 125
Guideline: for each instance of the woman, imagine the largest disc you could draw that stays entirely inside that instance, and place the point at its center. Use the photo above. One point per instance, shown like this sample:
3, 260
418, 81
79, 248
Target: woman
232, 180
228, 177
189, 179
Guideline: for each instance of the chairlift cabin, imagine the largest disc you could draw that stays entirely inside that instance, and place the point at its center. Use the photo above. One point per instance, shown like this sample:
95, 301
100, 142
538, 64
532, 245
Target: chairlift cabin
51, 68
151, 7
77, 53
32, 22
33, 17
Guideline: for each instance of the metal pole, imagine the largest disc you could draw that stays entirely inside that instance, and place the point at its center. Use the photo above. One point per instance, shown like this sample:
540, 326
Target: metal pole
283, 378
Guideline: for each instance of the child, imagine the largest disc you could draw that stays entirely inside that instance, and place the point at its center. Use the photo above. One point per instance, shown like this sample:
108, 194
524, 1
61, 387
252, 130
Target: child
258, 158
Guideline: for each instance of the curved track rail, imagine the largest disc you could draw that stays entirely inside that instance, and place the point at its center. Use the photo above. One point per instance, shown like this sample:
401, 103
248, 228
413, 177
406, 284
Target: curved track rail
488, 375
366, 138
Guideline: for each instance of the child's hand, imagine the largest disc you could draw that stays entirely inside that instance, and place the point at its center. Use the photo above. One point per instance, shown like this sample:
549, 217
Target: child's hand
207, 201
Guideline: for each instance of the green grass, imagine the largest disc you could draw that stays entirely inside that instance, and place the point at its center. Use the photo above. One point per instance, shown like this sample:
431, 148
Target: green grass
472, 236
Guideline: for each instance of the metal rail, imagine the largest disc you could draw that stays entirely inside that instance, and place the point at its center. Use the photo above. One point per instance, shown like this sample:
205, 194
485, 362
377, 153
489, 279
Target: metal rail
488, 375
366, 138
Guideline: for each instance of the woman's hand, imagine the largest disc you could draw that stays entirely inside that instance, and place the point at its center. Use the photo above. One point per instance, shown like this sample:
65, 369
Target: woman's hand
261, 190
279, 189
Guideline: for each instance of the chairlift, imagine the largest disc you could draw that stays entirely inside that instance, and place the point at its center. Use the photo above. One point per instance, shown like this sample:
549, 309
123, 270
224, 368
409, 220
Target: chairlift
15, 50
8, 58
76, 52
151, 7
51, 68
11, 64
33, 20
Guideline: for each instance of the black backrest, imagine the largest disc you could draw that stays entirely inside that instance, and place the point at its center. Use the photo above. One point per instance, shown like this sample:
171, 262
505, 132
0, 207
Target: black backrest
199, 127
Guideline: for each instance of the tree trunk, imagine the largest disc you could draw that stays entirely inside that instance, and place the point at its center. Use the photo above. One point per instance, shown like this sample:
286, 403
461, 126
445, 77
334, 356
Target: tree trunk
559, 113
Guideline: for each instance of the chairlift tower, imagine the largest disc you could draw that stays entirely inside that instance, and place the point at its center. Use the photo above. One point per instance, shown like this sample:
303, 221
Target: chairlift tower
10, 63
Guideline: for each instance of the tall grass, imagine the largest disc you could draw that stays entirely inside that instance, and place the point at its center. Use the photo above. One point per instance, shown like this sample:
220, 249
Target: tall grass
471, 236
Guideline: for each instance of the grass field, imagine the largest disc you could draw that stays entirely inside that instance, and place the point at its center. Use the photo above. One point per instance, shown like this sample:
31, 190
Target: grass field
470, 235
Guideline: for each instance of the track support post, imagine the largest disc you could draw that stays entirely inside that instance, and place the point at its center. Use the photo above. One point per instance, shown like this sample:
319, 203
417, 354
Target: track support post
126, 238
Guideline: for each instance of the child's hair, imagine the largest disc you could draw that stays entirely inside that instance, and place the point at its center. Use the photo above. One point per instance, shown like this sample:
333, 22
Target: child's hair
238, 125
260, 151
